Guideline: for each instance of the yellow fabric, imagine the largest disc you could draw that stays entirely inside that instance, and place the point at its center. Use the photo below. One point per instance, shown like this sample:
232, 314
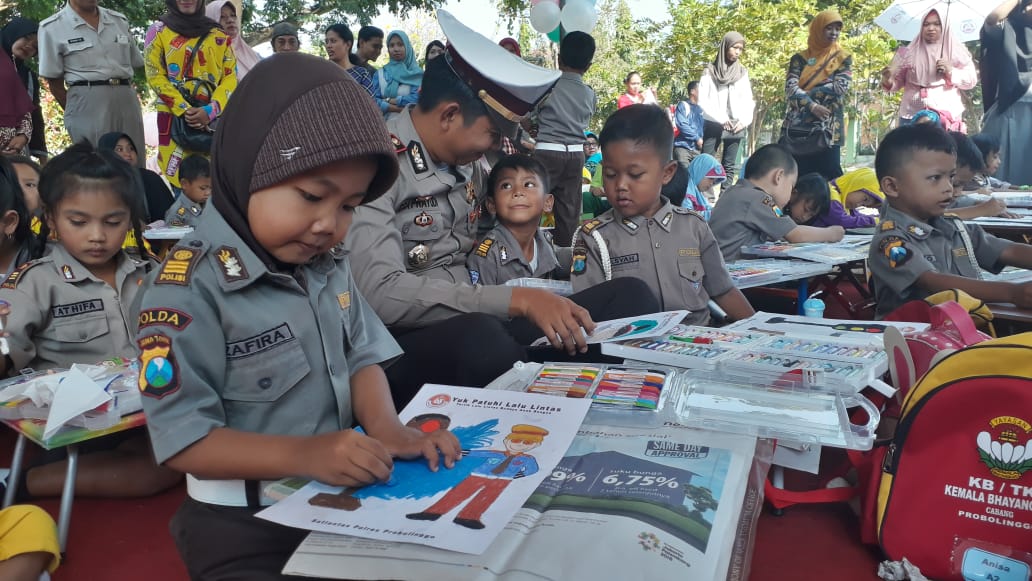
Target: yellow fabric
28, 529
980, 313
863, 179
165, 57
818, 49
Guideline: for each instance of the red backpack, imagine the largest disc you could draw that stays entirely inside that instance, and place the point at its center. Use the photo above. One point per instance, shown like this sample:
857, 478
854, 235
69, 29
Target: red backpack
960, 463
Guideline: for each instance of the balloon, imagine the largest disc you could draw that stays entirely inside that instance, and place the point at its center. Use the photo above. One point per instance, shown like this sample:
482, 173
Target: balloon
554, 35
579, 15
544, 16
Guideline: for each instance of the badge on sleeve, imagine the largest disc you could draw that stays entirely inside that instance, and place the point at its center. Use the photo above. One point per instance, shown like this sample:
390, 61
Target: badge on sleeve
416, 157
232, 268
176, 319
580, 261
12, 279
159, 374
474, 277
178, 267
895, 250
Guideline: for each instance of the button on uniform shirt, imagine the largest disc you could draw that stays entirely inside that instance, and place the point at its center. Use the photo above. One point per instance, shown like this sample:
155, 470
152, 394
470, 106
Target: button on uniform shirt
498, 258
62, 314
746, 215
673, 252
410, 245
71, 48
903, 248
224, 342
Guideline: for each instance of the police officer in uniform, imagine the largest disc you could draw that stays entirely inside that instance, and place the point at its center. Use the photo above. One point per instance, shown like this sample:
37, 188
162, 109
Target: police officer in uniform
411, 244
91, 50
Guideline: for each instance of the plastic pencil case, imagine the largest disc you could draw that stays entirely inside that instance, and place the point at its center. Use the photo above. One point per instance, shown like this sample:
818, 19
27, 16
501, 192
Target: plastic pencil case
560, 287
828, 350
813, 373
605, 385
787, 411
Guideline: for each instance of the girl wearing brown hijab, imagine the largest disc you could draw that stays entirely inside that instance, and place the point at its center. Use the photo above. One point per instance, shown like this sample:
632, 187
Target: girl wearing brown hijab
258, 354
816, 87
726, 98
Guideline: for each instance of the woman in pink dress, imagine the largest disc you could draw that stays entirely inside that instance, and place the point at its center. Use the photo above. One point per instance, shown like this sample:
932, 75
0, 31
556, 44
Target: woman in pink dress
635, 95
932, 71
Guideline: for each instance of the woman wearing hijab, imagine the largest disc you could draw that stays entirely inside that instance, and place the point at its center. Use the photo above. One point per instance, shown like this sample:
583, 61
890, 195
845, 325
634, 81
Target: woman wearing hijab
726, 98
338, 43
1007, 87
399, 80
208, 78
434, 49
512, 45
634, 95
157, 197
816, 86
21, 120
932, 71
18, 40
703, 173
225, 13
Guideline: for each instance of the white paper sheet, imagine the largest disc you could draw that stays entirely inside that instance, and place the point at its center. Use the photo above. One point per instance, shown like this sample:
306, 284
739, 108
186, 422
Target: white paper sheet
489, 424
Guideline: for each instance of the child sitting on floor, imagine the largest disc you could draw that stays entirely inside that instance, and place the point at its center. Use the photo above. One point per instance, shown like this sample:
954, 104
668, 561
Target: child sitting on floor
810, 199
195, 180
645, 236
516, 248
857, 189
750, 212
917, 251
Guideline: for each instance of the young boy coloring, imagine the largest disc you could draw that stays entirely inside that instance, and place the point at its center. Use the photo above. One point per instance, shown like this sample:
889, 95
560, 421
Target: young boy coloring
644, 236
516, 248
918, 250
750, 212
195, 179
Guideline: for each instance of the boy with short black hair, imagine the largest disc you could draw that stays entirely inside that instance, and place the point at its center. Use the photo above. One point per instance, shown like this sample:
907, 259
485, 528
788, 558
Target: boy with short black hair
644, 236
750, 212
560, 139
195, 180
517, 247
918, 249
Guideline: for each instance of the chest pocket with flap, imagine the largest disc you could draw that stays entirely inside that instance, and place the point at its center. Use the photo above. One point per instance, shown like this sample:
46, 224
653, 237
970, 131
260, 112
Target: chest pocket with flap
256, 374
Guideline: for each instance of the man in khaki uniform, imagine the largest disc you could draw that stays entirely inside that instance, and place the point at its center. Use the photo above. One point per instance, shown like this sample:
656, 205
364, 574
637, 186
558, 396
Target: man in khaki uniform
91, 50
410, 245
674, 253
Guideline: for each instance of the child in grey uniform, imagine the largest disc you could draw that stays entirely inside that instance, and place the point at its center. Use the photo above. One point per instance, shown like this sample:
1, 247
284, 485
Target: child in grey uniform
195, 181
517, 247
919, 249
645, 236
258, 354
73, 306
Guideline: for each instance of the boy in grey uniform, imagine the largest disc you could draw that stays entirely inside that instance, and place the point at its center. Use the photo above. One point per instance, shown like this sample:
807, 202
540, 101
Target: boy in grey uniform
644, 236
92, 50
258, 354
750, 212
517, 247
195, 180
424, 227
919, 250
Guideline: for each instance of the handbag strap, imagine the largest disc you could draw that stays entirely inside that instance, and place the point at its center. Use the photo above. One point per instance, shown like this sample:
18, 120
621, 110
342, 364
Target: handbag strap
818, 71
188, 65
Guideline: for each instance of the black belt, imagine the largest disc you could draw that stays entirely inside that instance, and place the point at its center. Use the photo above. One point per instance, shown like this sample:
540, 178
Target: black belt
107, 83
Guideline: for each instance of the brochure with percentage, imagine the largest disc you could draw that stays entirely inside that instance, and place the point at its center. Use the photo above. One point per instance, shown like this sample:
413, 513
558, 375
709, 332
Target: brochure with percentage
623, 503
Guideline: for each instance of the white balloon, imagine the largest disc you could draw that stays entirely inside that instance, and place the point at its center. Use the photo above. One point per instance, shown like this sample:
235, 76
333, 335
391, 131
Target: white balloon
544, 16
579, 15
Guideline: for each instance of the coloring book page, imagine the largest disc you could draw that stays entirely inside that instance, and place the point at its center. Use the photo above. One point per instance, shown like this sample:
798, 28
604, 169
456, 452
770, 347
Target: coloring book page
511, 441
